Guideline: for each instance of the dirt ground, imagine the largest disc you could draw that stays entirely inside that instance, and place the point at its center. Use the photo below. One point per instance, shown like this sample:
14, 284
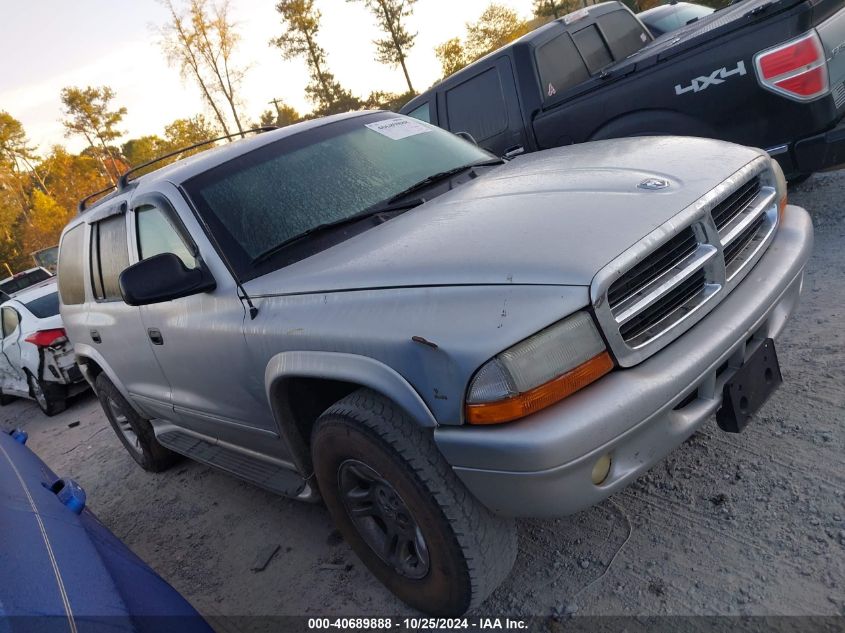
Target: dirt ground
728, 524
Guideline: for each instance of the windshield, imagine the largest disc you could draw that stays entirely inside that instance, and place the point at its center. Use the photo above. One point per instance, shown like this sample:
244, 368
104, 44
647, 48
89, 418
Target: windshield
45, 306
320, 176
24, 280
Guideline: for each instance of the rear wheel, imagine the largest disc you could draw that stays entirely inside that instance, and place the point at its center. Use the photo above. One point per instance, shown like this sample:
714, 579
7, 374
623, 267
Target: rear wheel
50, 397
134, 432
402, 509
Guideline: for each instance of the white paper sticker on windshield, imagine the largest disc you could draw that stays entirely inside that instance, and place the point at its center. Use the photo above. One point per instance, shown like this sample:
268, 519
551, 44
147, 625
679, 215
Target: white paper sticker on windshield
398, 128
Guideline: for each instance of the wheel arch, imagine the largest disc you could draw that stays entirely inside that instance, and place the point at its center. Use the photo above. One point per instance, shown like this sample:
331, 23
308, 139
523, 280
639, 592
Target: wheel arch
91, 363
300, 386
652, 122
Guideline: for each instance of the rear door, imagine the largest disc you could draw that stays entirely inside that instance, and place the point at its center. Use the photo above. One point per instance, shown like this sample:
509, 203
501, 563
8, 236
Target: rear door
115, 329
487, 106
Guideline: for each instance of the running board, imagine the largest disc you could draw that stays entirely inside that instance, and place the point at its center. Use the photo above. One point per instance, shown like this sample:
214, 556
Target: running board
269, 475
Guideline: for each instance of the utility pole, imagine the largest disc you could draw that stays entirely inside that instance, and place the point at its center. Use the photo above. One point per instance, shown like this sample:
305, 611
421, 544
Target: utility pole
276, 102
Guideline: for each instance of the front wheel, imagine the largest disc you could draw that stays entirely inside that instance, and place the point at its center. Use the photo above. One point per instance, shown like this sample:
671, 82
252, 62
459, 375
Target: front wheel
50, 397
134, 432
402, 509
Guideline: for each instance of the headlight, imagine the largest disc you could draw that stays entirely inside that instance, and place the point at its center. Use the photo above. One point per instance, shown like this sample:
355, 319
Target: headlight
538, 372
780, 187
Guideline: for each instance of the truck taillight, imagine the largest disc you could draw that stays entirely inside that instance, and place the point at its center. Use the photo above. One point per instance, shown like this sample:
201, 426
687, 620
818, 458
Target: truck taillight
796, 69
47, 338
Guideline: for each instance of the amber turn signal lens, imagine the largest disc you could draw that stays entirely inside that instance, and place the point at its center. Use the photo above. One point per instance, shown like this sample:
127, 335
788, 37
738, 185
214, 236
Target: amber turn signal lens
540, 397
781, 208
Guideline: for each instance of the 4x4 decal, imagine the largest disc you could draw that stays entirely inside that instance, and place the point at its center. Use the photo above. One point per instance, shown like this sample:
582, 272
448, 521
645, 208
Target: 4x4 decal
716, 77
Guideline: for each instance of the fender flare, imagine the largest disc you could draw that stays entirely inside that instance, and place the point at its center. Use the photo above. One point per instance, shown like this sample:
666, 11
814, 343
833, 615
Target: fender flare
652, 122
353, 368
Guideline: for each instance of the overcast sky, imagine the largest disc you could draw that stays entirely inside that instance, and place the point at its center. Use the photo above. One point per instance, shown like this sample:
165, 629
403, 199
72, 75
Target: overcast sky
46, 45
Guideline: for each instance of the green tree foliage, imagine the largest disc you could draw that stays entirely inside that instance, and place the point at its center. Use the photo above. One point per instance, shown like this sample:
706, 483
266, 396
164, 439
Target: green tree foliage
202, 41
393, 48
301, 22
282, 115
141, 150
383, 100
496, 26
553, 9
452, 56
88, 113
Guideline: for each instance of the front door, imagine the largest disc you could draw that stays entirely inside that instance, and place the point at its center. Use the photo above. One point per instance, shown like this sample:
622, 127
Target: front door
199, 342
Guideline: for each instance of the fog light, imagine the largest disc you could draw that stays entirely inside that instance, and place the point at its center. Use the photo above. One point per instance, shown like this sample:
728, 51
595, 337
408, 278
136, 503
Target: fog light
601, 469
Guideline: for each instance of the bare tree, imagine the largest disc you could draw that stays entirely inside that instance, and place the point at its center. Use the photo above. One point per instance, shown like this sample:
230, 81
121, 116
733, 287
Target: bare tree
393, 49
202, 42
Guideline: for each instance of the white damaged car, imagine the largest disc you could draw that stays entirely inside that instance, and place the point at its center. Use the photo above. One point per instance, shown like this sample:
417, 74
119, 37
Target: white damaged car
36, 359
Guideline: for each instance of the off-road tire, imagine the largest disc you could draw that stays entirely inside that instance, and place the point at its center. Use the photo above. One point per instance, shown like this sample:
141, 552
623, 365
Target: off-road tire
52, 398
149, 454
471, 550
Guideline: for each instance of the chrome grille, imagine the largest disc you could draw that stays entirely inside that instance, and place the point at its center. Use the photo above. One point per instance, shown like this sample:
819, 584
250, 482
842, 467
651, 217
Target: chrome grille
736, 203
663, 285
652, 267
674, 304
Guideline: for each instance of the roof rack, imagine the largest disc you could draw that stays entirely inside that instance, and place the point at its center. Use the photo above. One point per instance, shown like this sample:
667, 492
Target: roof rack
83, 204
123, 179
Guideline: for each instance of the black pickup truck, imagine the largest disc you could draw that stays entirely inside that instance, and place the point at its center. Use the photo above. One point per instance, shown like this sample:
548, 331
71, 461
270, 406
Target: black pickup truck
765, 73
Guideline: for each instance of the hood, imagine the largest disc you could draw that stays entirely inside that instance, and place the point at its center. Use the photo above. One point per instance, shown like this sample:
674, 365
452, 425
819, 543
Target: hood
553, 217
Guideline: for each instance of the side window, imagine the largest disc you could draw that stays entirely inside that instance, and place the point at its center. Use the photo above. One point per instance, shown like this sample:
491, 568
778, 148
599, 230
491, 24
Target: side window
109, 256
592, 48
560, 66
71, 266
157, 234
624, 34
477, 106
10, 321
423, 113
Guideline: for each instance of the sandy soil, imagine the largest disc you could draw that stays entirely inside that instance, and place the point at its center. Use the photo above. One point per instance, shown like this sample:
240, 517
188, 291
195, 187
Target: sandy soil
728, 524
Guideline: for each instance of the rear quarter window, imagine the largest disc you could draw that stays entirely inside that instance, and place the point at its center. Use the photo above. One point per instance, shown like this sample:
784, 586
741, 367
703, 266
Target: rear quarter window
45, 306
624, 34
477, 106
70, 267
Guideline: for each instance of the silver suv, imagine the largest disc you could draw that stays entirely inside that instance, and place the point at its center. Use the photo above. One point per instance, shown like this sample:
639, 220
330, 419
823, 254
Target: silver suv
370, 311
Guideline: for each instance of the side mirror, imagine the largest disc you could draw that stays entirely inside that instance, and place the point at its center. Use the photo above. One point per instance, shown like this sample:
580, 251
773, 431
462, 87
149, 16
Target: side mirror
160, 278
467, 137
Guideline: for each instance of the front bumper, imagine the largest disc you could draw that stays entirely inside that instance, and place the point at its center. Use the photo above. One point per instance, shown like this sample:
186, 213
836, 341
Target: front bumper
541, 466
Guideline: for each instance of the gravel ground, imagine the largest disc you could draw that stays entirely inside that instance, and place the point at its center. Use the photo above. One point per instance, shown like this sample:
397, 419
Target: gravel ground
728, 524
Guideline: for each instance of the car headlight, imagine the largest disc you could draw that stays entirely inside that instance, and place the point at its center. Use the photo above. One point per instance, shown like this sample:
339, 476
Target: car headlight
538, 372
780, 187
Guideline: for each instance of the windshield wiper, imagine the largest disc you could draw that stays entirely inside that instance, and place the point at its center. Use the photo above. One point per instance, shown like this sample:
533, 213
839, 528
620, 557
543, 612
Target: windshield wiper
380, 208
430, 180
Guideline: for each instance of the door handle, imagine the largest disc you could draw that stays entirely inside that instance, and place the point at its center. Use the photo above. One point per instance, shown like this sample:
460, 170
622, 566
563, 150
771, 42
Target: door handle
155, 336
95, 336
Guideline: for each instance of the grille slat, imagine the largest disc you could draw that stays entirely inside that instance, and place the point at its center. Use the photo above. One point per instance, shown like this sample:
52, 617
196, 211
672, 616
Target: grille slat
735, 203
664, 308
652, 267
735, 248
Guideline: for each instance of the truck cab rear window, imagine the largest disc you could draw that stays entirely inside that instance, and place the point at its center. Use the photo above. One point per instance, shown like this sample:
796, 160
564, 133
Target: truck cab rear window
560, 66
592, 48
624, 34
